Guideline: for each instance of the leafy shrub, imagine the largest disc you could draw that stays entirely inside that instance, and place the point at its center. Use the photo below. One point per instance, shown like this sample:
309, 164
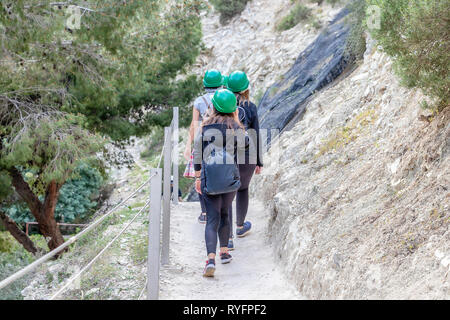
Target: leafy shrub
75, 200
333, 2
76, 197
299, 13
415, 34
356, 41
229, 8
6, 242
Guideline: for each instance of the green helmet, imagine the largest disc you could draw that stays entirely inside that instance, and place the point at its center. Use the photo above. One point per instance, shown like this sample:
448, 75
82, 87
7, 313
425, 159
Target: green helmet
224, 101
225, 81
212, 79
238, 81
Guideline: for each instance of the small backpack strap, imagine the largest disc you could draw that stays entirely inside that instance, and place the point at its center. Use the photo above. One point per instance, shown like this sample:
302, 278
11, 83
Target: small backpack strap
206, 102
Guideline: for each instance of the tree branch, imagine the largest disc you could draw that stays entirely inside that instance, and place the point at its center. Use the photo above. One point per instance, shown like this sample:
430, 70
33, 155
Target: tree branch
25, 192
51, 197
18, 234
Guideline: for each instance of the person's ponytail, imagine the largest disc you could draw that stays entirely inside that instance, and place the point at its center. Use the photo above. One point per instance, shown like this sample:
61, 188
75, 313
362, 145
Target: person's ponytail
230, 119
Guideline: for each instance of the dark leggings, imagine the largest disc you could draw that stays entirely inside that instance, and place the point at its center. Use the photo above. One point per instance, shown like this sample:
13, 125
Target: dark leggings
202, 203
217, 222
246, 171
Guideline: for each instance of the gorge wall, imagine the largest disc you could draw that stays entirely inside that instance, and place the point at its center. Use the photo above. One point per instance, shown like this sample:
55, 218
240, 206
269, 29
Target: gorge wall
358, 191
357, 186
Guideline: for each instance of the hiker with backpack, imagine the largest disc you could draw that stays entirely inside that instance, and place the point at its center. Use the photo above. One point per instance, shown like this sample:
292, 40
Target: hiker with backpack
238, 83
212, 81
220, 141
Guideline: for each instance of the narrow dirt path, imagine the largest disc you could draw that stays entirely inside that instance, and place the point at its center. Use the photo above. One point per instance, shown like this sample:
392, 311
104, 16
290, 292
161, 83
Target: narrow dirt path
252, 274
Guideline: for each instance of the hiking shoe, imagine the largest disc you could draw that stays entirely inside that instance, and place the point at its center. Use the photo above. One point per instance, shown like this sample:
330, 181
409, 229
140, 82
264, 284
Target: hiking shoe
242, 232
225, 258
202, 218
209, 268
230, 244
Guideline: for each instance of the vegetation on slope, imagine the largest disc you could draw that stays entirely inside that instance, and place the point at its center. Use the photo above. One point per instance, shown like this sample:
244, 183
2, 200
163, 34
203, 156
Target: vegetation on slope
229, 8
416, 35
65, 86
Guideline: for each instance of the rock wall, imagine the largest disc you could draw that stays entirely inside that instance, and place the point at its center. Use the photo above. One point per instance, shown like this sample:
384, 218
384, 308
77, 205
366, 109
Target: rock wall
318, 65
359, 192
359, 199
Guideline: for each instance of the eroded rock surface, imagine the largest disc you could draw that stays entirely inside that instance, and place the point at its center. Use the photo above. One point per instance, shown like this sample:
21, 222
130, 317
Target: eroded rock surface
359, 191
322, 62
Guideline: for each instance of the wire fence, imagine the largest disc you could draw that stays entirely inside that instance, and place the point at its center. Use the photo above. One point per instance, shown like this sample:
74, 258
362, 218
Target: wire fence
77, 275
155, 253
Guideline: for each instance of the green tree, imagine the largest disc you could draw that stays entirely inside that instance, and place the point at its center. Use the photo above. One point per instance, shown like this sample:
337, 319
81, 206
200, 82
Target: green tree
229, 8
76, 197
51, 144
64, 86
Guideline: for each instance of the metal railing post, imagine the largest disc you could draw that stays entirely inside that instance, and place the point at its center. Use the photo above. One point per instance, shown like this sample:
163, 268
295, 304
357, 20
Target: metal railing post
154, 235
175, 154
166, 196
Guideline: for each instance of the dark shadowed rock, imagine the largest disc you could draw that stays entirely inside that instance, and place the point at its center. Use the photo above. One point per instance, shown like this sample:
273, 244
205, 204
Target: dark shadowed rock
320, 63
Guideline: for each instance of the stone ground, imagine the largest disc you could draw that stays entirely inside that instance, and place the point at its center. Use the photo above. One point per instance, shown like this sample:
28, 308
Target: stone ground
252, 274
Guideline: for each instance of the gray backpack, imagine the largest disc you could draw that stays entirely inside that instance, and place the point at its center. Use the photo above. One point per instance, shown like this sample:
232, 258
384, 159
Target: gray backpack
220, 173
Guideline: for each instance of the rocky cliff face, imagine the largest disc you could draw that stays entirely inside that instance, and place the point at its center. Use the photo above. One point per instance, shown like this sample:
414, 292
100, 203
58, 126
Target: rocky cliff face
250, 43
359, 191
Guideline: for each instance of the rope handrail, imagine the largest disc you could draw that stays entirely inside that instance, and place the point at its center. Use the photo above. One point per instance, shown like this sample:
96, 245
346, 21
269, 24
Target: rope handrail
143, 290
73, 278
19, 274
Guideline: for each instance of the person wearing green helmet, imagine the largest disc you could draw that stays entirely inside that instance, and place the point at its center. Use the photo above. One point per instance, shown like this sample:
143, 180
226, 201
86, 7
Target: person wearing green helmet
212, 81
248, 115
218, 132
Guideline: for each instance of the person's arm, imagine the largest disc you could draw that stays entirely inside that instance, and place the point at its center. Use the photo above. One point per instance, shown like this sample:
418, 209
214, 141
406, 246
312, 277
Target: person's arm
192, 130
198, 152
198, 182
196, 123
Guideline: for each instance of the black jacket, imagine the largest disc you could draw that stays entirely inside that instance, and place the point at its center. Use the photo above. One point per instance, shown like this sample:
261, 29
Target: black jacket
248, 115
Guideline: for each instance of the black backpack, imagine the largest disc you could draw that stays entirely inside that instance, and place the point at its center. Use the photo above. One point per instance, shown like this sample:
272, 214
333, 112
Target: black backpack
220, 173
